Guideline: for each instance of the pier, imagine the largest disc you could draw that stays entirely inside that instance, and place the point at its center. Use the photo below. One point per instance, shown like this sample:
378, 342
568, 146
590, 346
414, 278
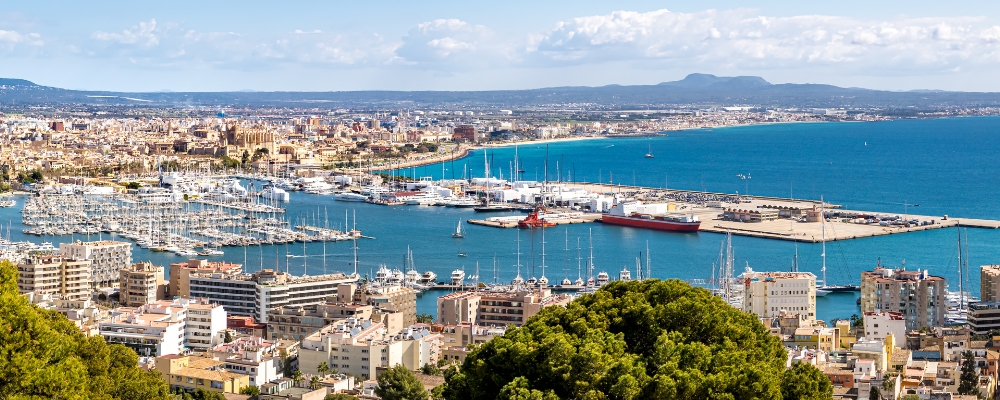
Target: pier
511, 221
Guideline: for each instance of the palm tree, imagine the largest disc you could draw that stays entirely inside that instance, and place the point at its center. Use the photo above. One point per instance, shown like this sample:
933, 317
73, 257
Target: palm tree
323, 369
297, 377
314, 383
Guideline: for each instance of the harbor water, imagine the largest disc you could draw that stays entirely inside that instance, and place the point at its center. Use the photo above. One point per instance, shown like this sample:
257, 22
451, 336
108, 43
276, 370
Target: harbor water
947, 166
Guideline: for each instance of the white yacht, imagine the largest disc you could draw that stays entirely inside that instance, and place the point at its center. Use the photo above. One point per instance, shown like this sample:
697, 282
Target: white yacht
274, 193
457, 277
349, 196
422, 199
603, 278
623, 276
428, 278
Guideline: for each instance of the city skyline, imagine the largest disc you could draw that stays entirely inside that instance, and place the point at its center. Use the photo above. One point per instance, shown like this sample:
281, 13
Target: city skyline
455, 46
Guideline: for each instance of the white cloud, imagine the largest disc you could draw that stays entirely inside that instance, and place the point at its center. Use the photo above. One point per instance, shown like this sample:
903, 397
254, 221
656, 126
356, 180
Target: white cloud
153, 44
10, 39
452, 44
742, 38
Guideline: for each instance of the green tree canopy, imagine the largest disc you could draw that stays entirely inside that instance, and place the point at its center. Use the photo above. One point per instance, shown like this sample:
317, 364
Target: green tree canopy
45, 356
635, 340
969, 380
399, 383
805, 382
339, 396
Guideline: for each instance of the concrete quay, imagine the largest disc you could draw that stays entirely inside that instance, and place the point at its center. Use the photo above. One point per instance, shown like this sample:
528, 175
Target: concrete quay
511, 222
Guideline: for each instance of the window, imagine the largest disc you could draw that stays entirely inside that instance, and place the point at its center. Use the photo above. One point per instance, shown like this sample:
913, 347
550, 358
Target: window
201, 381
216, 385
190, 380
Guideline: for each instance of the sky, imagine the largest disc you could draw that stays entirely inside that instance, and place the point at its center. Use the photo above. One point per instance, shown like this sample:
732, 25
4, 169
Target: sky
465, 45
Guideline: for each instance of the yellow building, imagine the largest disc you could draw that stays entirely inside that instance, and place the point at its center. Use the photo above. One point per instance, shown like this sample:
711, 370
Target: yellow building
192, 373
826, 339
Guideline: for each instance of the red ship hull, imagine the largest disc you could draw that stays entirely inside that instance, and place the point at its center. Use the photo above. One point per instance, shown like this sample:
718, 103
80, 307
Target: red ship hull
657, 224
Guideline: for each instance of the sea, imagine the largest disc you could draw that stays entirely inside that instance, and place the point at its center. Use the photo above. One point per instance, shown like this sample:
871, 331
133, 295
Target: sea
931, 167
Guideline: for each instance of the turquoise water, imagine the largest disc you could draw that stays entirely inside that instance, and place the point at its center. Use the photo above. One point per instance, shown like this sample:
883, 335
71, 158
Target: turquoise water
948, 166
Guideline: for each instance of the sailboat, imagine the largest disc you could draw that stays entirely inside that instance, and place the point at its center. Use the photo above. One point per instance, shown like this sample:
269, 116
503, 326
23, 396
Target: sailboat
458, 231
649, 151
825, 288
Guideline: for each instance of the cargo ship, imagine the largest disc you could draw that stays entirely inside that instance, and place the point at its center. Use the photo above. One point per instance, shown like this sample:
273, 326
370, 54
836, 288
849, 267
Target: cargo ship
636, 214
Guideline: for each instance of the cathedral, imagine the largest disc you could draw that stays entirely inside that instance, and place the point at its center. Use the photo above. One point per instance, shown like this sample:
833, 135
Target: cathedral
238, 139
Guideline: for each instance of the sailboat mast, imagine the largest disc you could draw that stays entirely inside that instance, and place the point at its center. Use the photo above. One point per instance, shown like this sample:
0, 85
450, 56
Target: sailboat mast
961, 287
822, 218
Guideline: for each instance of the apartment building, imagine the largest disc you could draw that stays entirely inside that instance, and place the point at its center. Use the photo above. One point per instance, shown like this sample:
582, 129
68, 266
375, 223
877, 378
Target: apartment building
491, 308
918, 296
56, 274
252, 356
185, 373
819, 338
880, 324
390, 298
180, 273
254, 294
772, 294
297, 322
141, 283
360, 347
107, 258
989, 283
165, 327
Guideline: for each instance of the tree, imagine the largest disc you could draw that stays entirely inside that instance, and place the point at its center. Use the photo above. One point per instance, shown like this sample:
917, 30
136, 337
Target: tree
875, 393
635, 340
227, 337
399, 383
340, 396
297, 377
245, 158
969, 380
314, 383
323, 369
425, 318
132, 185
250, 391
804, 381
46, 356
910, 397
430, 369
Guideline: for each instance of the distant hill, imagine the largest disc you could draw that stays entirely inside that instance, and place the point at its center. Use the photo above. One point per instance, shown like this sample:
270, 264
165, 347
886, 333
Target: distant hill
16, 82
708, 81
695, 89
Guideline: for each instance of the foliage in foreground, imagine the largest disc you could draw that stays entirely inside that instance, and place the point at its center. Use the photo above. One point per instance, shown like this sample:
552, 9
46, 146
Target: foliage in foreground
44, 356
637, 340
399, 383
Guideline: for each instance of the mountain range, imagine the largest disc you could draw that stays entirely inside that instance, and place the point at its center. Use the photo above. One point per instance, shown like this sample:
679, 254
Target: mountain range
694, 89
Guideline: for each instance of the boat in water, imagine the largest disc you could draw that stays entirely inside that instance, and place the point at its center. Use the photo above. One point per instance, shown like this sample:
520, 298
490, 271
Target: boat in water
459, 233
8, 203
534, 221
274, 193
458, 277
428, 278
628, 214
649, 152
349, 196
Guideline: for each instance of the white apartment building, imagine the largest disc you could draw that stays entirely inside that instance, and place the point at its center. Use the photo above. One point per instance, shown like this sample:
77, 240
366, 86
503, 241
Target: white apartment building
768, 294
106, 258
165, 327
881, 323
255, 294
251, 356
359, 347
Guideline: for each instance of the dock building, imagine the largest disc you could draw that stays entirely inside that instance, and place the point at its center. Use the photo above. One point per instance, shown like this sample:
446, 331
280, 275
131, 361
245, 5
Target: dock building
107, 258
55, 274
773, 294
491, 308
142, 283
918, 296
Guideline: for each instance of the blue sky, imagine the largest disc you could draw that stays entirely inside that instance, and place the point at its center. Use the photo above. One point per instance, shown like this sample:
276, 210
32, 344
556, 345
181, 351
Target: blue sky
462, 45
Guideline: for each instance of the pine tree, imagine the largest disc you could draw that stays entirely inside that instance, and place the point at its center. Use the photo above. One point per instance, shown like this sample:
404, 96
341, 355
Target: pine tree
969, 380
